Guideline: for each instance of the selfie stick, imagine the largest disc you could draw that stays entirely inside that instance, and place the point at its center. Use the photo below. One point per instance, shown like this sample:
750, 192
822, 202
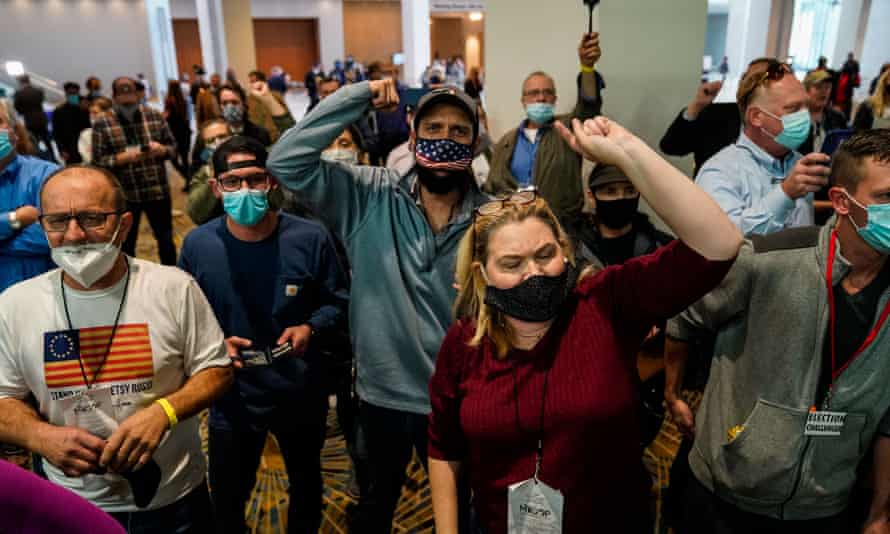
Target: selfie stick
590, 5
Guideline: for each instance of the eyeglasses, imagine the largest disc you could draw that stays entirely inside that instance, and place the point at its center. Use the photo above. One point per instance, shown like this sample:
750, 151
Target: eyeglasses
232, 182
775, 71
519, 198
87, 220
535, 93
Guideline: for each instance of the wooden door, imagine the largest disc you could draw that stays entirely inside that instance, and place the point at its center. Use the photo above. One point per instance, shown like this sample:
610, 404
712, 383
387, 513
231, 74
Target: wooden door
188, 44
291, 44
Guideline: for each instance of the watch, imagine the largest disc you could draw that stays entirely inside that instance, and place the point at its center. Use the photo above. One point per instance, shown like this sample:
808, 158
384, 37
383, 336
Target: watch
14, 222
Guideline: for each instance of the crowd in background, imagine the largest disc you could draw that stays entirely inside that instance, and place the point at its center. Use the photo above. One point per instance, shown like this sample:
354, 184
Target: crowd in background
479, 302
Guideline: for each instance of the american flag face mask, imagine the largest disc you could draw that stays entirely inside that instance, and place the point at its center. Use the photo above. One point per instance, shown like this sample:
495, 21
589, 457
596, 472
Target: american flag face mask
443, 154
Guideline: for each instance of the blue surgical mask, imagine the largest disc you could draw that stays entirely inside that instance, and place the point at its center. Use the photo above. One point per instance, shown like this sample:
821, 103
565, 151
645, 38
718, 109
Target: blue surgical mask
5, 144
74, 100
246, 206
876, 231
795, 128
539, 112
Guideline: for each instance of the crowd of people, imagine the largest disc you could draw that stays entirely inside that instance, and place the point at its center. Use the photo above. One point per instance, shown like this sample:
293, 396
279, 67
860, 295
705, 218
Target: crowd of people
455, 294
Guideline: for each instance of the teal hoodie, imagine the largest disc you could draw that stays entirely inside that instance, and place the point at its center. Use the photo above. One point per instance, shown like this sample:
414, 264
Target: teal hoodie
402, 272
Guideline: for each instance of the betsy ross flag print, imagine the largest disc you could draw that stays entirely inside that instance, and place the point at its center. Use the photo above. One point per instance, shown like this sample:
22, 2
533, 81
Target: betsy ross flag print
129, 357
444, 154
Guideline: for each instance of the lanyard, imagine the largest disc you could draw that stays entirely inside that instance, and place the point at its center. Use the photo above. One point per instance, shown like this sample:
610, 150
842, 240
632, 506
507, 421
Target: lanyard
835, 371
539, 452
117, 318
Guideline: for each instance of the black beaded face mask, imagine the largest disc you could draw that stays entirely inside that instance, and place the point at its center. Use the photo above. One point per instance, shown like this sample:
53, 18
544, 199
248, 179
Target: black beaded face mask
536, 299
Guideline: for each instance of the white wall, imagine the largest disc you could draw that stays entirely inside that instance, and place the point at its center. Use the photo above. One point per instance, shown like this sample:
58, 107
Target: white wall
72, 40
651, 63
746, 34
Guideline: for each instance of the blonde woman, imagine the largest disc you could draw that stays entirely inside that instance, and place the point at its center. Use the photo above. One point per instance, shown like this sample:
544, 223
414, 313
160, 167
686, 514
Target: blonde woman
533, 393
874, 112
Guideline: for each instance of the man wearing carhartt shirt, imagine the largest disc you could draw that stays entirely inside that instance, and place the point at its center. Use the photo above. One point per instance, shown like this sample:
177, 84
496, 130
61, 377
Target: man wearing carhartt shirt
272, 280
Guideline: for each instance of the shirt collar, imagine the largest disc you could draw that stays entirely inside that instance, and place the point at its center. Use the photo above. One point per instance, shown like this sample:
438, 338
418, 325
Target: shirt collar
12, 169
762, 156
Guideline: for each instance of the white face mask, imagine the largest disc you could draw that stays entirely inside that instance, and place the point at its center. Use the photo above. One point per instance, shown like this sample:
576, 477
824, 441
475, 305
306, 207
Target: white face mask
88, 262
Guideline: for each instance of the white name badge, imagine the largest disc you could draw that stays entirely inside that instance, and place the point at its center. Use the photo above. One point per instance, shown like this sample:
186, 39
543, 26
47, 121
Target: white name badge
825, 423
533, 507
92, 411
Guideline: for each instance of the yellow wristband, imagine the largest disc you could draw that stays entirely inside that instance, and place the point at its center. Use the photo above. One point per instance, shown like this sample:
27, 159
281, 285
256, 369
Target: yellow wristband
586, 69
168, 409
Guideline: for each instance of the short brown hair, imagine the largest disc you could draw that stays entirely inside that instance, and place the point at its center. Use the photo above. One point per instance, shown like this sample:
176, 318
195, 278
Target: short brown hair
846, 165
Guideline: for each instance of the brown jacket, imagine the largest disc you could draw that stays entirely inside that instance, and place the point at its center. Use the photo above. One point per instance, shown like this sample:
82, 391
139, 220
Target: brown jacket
557, 168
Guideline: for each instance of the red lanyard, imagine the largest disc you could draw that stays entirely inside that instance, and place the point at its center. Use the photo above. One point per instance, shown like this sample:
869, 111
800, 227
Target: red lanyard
835, 372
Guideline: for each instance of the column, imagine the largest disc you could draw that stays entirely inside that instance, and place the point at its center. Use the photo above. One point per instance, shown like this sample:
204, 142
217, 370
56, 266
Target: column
746, 33
212, 33
240, 43
415, 39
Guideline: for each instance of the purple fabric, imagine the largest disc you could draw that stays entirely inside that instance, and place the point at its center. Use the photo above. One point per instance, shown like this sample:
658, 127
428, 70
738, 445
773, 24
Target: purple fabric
31, 505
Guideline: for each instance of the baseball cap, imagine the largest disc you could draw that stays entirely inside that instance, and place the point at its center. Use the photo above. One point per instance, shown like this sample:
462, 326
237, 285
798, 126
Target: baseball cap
816, 76
606, 174
448, 95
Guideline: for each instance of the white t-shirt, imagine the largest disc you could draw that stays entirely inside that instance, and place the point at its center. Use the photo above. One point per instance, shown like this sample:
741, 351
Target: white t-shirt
167, 332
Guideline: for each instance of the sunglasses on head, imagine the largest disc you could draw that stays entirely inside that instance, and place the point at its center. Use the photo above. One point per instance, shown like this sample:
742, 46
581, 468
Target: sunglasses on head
775, 71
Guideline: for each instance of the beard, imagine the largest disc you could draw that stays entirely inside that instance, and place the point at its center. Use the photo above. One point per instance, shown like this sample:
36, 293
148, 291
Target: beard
442, 185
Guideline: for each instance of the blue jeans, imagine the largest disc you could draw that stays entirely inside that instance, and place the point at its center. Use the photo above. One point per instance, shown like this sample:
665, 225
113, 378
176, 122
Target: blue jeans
189, 515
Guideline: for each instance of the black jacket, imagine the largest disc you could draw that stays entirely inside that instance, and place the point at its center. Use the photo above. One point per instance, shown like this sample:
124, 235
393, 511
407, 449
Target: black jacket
28, 101
68, 121
586, 237
832, 119
717, 126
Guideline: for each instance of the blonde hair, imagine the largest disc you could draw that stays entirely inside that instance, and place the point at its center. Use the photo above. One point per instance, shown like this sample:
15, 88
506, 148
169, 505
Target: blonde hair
473, 253
878, 100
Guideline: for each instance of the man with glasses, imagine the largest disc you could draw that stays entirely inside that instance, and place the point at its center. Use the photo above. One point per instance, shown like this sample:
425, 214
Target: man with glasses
532, 154
761, 181
23, 249
401, 235
275, 283
119, 354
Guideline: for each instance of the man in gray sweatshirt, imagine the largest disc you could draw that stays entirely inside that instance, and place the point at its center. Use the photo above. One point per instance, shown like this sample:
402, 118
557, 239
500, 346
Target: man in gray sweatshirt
401, 236
798, 387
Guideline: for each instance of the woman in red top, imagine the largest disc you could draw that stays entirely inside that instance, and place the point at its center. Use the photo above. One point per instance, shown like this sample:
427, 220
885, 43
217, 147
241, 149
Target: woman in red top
533, 392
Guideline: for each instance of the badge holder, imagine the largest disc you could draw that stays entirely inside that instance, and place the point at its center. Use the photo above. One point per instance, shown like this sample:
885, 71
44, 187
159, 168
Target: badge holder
259, 358
534, 507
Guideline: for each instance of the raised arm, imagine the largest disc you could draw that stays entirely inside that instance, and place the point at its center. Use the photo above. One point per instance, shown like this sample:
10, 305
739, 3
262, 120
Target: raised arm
342, 194
590, 102
693, 216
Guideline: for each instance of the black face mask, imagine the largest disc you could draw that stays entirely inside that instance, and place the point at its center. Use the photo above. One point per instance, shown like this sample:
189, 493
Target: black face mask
128, 110
537, 299
440, 185
617, 214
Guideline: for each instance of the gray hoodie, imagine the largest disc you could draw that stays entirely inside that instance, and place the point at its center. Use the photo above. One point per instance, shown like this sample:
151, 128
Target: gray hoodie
771, 317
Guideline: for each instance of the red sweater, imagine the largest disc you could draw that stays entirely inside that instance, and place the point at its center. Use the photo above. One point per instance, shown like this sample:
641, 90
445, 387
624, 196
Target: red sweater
591, 437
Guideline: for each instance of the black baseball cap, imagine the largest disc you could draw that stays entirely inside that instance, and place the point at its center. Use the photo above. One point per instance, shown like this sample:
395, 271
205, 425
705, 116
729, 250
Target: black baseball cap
604, 175
448, 95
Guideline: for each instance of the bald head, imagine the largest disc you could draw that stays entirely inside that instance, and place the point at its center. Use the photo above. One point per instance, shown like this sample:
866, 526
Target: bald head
82, 186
